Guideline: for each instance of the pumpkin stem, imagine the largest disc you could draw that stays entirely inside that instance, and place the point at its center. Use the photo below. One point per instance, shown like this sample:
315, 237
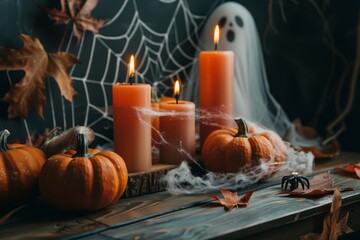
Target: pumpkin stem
3, 140
242, 128
81, 146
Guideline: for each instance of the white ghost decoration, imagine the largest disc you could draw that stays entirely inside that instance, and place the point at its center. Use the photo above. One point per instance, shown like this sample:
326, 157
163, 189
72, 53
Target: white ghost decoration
252, 97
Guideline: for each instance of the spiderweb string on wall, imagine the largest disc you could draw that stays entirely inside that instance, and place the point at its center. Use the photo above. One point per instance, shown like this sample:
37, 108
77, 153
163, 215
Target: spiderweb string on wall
163, 44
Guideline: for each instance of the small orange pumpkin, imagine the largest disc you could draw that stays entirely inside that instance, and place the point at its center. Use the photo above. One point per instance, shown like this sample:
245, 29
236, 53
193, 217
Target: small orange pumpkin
84, 180
229, 150
19, 171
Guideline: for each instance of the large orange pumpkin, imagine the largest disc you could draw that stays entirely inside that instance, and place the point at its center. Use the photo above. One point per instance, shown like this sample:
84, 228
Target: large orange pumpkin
84, 180
229, 150
19, 171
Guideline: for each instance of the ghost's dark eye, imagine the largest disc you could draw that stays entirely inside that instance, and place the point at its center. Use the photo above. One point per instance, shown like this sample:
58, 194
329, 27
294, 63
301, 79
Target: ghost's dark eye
222, 22
239, 21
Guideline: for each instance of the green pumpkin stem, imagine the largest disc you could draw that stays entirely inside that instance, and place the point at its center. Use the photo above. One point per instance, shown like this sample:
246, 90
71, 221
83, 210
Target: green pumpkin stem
242, 128
82, 146
3, 140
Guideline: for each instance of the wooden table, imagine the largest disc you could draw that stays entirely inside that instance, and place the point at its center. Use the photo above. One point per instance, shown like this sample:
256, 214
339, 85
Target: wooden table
164, 216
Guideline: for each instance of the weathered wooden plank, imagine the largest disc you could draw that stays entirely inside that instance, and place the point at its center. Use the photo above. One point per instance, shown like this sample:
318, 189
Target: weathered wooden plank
164, 212
267, 210
312, 224
130, 210
324, 164
38, 220
148, 208
138, 209
49, 228
94, 236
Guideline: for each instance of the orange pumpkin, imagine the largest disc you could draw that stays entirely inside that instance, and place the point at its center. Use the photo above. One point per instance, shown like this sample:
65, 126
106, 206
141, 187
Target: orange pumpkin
84, 180
19, 171
229, 150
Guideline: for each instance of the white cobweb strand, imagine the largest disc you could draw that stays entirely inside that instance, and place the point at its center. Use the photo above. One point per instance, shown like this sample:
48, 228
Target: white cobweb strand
163, 53
182, 180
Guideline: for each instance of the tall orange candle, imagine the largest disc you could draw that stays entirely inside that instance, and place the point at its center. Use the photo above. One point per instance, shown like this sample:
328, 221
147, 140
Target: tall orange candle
178, 129
132, 129
216, 100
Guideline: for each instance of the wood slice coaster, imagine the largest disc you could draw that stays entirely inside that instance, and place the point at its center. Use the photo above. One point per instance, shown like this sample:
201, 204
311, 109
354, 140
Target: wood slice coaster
147, 182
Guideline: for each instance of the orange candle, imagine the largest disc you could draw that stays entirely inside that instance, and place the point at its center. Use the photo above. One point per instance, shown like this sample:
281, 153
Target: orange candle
155, 135
216, 100
132, 129
178, 129
155, 124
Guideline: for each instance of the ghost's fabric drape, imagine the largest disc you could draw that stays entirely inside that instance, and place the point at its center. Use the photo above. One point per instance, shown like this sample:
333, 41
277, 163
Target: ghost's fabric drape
253, 100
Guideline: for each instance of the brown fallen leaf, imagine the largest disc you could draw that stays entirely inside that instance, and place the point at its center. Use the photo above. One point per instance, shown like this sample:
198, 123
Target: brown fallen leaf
29, 93
332, 228
79, 11
232, 200
321, 184
352, 168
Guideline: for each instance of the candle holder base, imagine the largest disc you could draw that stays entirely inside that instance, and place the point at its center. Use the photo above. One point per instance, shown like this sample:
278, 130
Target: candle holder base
147, 182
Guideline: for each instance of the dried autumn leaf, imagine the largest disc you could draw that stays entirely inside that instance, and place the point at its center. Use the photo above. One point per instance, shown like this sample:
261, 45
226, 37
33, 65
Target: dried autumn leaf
29, 92
352, 168
79, 11
321, 184
332, 228
232, 200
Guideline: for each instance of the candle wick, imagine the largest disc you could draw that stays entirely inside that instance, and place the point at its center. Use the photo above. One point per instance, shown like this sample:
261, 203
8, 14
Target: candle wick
131, 79
177, 98
215, 46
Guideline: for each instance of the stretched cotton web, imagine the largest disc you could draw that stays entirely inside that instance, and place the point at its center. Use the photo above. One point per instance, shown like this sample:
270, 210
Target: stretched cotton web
163, 44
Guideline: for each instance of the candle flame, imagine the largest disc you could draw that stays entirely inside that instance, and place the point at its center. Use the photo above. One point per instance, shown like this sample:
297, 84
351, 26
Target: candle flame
177, 88
132, 66
216, 34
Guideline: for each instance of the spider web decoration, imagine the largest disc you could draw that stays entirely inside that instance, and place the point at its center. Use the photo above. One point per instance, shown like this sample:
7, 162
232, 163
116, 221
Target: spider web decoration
163, 40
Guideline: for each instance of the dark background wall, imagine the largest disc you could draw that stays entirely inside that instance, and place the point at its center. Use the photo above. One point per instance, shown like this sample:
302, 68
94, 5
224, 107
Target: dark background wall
307, 46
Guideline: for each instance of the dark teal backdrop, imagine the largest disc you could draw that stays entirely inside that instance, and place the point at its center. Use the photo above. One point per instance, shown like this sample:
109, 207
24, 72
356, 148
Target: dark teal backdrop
307, 47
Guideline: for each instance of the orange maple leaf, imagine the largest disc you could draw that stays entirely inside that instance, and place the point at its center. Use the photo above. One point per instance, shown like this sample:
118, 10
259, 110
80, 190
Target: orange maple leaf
79, 11
232, 200
332, 226
352, 168
29, 93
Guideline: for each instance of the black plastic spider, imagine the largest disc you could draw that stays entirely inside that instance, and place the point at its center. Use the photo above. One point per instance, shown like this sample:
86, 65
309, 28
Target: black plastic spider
294, 179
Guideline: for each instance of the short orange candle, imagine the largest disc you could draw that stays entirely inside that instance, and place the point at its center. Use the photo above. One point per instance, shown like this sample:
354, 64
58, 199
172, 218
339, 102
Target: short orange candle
178, 129
155, 124
132, 129
155, 121
216, 99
